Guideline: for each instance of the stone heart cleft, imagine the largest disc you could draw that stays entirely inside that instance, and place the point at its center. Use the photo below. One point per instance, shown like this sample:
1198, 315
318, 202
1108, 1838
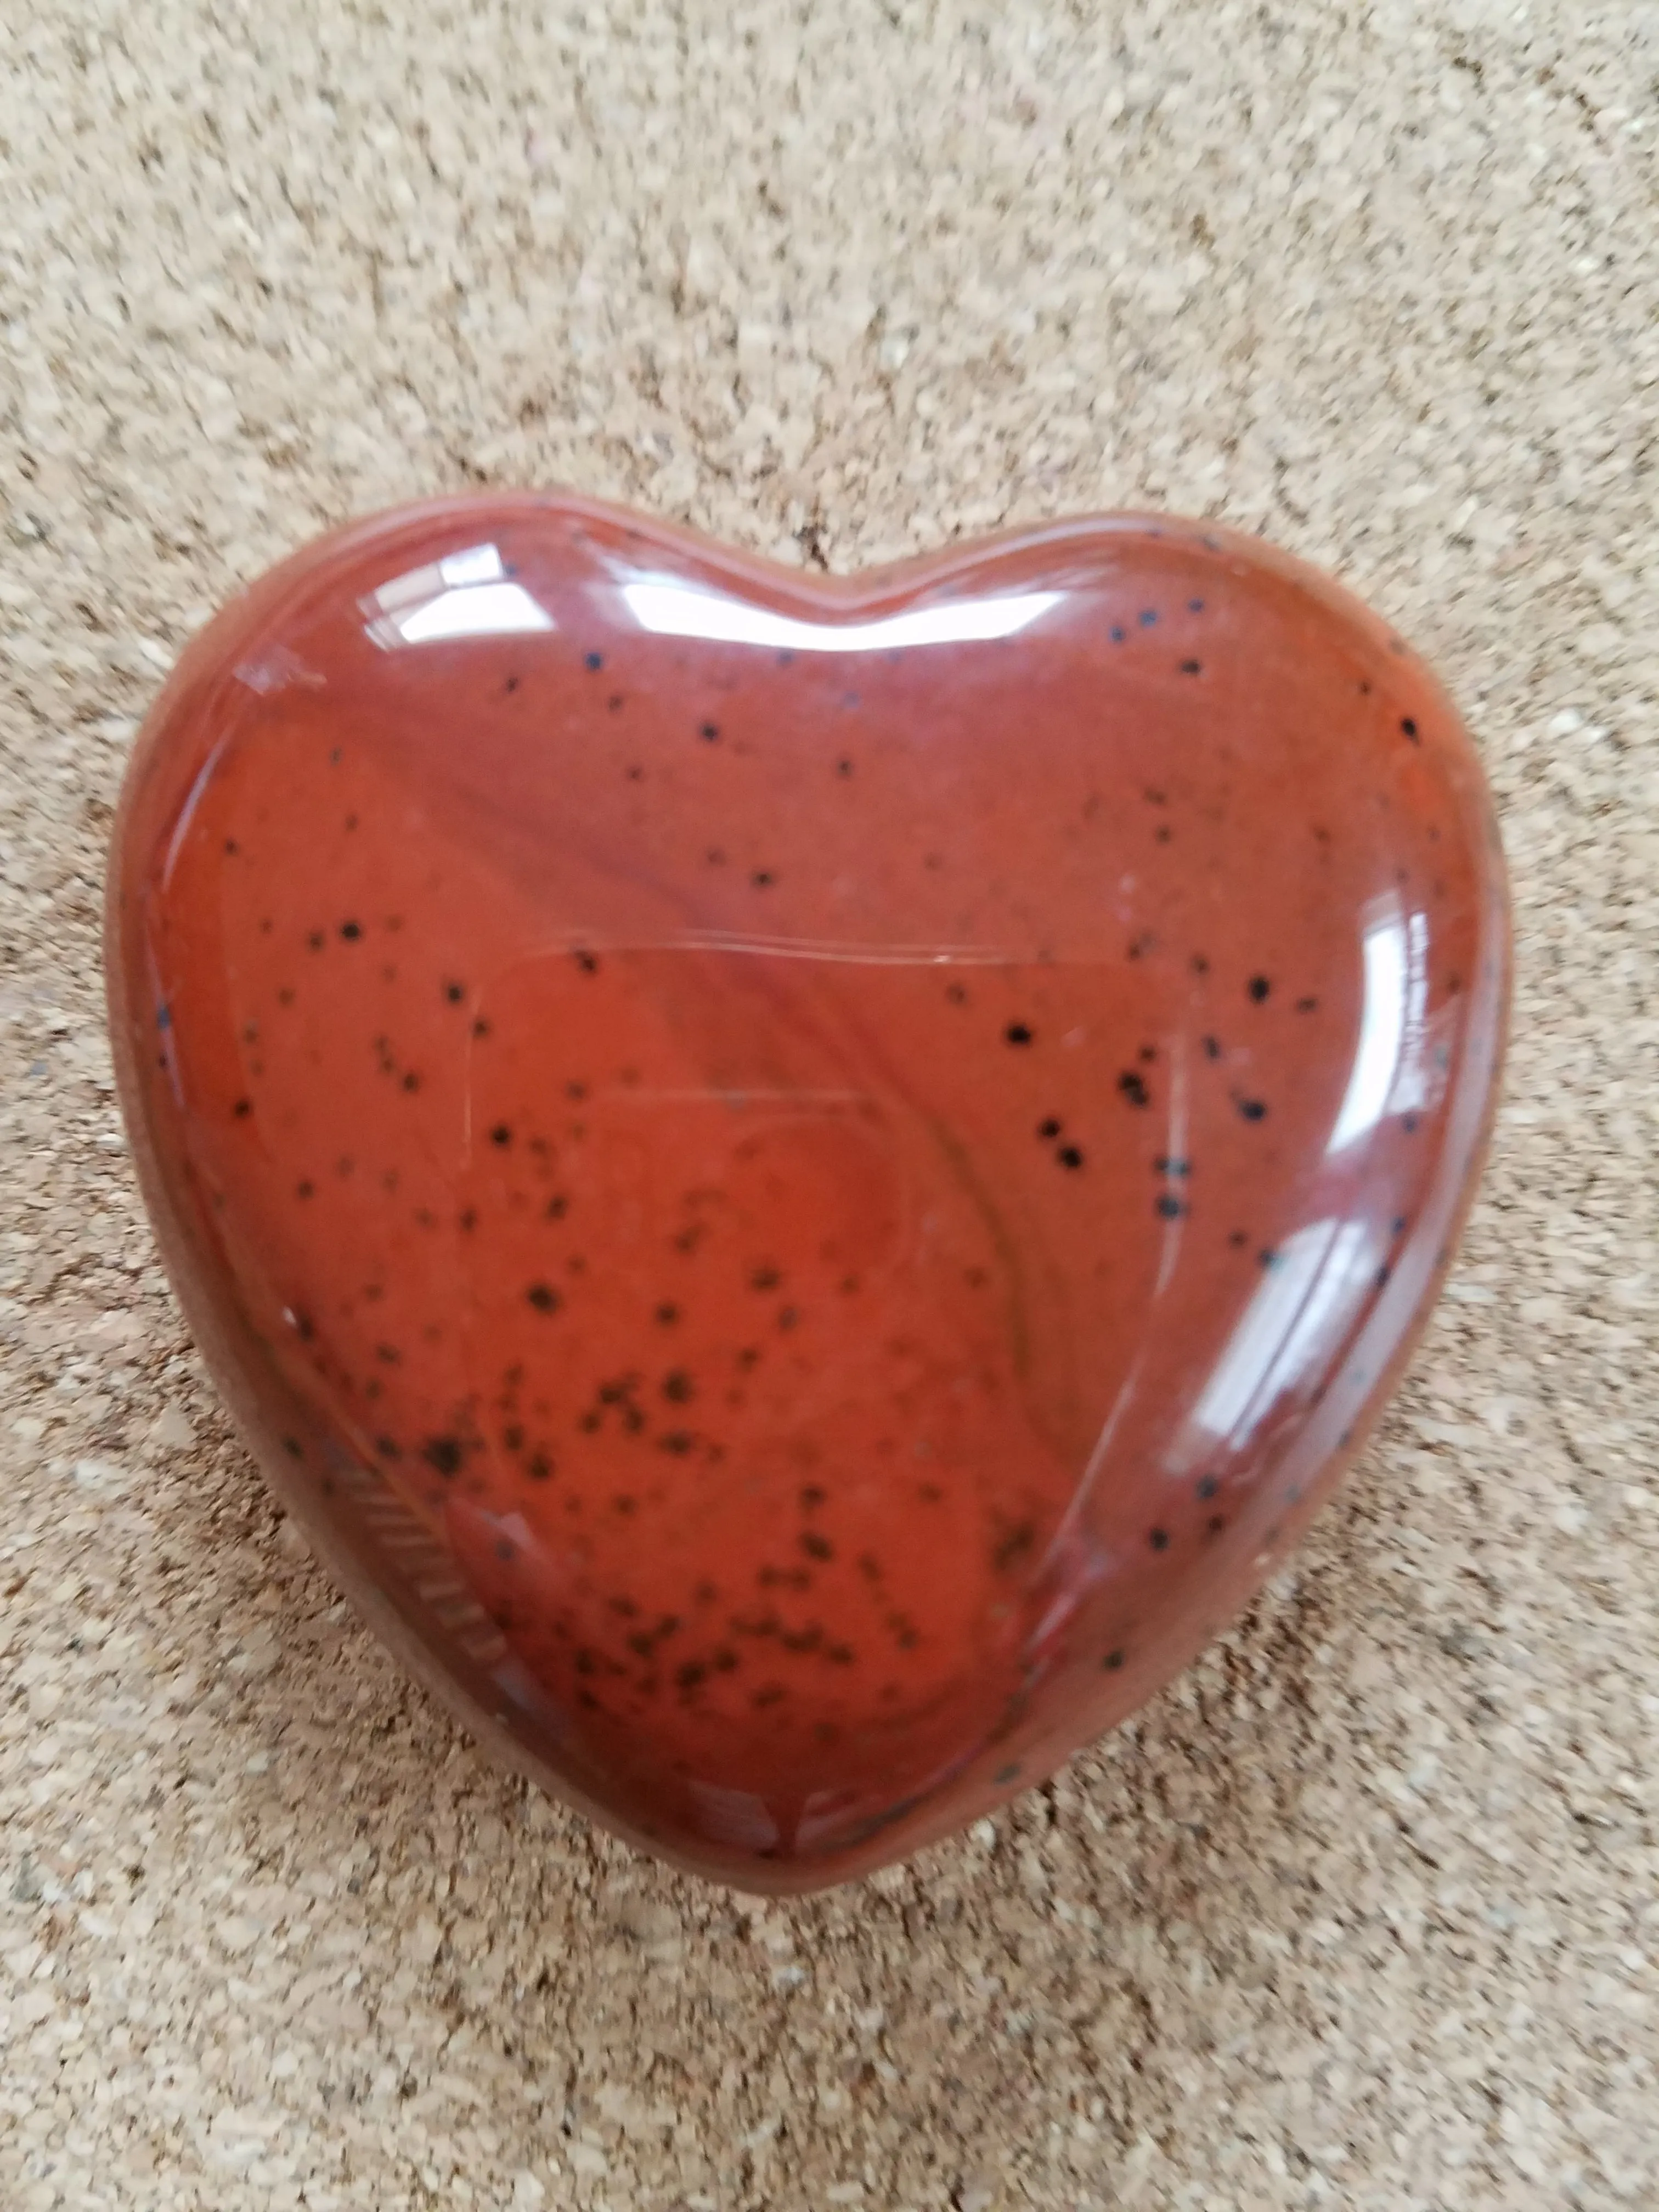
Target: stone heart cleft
803, 1183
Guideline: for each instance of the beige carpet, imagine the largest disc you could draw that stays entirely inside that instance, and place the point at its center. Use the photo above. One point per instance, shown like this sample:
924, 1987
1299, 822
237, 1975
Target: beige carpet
1365, 1913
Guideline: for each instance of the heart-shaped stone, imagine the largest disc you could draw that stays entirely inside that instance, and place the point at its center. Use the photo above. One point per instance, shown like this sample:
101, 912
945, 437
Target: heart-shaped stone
802, 1182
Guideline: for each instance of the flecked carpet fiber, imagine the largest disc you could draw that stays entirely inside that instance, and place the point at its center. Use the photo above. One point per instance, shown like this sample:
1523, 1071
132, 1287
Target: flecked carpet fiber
1364, 1911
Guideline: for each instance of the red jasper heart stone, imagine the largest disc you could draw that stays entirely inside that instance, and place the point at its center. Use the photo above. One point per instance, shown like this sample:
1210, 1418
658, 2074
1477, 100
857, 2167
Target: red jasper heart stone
803, 1183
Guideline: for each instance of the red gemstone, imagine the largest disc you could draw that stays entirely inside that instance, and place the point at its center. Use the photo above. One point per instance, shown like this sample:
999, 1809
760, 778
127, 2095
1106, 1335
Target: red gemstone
803, 1183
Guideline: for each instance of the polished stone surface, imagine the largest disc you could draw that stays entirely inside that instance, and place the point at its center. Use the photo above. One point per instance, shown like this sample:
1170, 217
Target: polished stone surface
804, 1184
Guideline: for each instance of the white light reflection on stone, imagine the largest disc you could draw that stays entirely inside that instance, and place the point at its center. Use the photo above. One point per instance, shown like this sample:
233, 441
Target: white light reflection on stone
1307, 1301
1388, 1072
466, 594
669, 609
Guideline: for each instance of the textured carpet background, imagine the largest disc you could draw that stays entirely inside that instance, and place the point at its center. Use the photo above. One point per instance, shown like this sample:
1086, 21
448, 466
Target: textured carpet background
1364, 1911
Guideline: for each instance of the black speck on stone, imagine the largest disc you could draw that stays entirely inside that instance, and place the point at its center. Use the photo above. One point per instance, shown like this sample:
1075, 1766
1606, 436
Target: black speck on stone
1159, 1539
667, 1314
593, 660
543, 1297
1191, 668
1258, 988
1148, 616
762, 879
1207, 1486
1165, 1165
1133, 1088
1212, 1048
1018, 1033
1070, 1157
1051, 1127
709, 733
1113, 1662
1118, 634
1307, 1006
586, 961
242, 1109
443, 1453
1253, 1109
500, 1135
164, 1018
1397, 1226
511, 685
1005, 1774
1169, 1207
1410, 728
454, 992
1194, 606
351, 931
1408, 1123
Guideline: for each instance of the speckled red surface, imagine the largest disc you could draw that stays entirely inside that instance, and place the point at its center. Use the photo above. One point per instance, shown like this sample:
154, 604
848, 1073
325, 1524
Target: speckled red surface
804, 1183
